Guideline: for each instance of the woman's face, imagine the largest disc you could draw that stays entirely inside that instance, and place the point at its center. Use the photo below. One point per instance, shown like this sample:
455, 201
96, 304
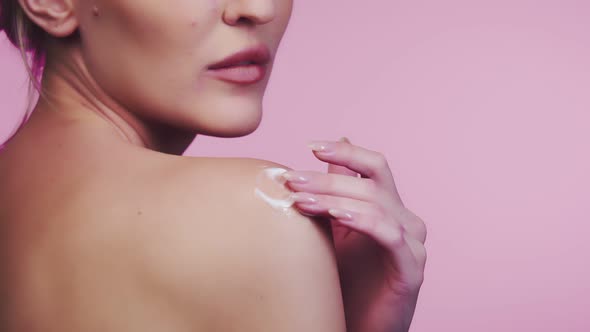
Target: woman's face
151, 56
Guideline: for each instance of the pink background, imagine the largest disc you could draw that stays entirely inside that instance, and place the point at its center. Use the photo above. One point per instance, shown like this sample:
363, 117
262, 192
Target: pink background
481, 108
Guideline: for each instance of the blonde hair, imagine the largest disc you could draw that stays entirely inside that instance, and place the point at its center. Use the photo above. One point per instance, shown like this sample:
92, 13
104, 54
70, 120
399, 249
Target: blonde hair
28, 38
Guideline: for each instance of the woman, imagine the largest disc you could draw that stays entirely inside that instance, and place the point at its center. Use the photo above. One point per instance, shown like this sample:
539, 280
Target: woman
104, 226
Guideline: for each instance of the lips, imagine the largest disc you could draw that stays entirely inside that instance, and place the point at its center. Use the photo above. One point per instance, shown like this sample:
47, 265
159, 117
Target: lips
258, 55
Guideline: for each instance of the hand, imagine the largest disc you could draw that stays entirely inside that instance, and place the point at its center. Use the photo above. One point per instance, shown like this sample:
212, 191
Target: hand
379, 243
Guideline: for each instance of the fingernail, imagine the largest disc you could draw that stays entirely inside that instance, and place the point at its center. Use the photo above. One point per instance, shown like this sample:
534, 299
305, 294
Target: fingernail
340, 214
304, 198
294, 177
321, 146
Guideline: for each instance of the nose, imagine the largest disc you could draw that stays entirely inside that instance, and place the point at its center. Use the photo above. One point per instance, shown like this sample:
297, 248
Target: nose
255, 12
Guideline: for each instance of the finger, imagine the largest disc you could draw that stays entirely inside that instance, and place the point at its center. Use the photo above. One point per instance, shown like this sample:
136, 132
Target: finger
336, 185
368, 163
319, 204
360, 200
337, 230
337, 169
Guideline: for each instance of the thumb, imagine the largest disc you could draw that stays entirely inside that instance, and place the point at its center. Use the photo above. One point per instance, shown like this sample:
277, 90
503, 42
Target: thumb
337, 169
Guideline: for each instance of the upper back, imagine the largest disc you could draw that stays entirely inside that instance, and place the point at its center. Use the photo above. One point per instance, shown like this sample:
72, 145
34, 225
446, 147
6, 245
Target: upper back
143, 241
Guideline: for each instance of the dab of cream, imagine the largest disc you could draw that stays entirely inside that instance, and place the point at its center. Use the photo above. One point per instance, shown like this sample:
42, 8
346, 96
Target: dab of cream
269, 181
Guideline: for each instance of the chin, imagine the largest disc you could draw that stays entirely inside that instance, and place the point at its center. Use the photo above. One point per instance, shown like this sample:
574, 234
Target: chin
228, 121
236, 129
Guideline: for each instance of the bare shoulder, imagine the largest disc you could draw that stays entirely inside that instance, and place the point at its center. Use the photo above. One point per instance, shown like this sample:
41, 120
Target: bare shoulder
188, 238
226, 244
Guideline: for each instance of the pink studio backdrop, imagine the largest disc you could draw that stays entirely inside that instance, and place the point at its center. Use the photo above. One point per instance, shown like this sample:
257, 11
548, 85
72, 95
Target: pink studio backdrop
481, 108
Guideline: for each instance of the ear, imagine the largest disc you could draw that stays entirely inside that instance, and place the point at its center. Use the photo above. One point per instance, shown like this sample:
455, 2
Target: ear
56, 17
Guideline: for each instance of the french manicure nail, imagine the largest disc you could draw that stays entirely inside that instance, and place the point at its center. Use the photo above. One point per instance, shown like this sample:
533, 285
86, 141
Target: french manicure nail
303, 198
340, 214
295, 178
321, 146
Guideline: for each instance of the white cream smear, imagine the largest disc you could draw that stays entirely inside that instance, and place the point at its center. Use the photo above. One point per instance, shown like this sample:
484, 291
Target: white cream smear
270, 187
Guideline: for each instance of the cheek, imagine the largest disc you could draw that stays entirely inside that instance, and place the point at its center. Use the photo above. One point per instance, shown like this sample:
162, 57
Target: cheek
213, 6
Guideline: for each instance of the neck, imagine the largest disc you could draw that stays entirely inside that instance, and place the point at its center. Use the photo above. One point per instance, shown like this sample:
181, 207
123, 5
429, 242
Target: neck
73, 94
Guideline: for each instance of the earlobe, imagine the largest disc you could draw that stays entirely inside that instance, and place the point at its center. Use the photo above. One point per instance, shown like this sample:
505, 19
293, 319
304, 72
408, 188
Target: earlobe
56, 17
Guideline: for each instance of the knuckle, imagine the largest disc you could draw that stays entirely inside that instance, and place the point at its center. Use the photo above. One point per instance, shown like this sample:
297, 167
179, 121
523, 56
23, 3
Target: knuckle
421, 229
381, 160
407, 215
422, 254
377, 164
422, 237
421, 222
396, 236
419, 281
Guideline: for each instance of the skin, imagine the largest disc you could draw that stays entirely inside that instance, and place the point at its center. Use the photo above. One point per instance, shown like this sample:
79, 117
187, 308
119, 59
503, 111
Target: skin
126, 100
373, 232
131, 242
153, 90
105, 227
